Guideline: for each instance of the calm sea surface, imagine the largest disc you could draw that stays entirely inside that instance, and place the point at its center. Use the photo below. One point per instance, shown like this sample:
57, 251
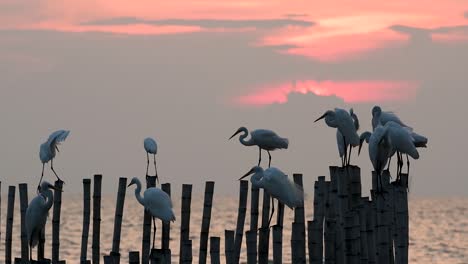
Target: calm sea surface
438, 228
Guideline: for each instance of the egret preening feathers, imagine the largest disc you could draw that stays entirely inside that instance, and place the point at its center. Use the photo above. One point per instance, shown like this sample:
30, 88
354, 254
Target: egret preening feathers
347, 125
156, 202
36, 214
277, 185
151, 147
382, 117
49, 149
264, 139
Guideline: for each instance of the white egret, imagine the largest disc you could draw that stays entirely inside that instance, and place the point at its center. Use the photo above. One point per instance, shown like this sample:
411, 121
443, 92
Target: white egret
382, 117
48, 150
277, 185
156, 202
346, 125
264, 139
340, 140
36, 214
151, 147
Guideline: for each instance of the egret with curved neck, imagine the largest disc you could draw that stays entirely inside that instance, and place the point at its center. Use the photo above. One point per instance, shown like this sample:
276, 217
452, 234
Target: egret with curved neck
156, 202
263, 138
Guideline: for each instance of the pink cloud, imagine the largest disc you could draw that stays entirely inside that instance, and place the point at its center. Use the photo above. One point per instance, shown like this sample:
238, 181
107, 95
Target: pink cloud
350, 91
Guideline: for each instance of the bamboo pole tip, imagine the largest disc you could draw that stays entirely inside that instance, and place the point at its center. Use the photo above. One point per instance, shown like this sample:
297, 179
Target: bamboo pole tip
86, 180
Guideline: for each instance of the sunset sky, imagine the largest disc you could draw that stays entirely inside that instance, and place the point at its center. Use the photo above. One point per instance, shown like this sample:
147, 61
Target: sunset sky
190, 73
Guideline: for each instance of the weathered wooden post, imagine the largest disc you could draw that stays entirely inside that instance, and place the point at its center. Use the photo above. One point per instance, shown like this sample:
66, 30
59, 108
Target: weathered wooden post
147, 230
166, 229
115, 253
134, 257
264, 231
251, 240
298, 228
205, 228
23, 193
243, 192
229, 246
185, 221
214, 250
9, 226
96, 218
277, 244
86, 219
56, 221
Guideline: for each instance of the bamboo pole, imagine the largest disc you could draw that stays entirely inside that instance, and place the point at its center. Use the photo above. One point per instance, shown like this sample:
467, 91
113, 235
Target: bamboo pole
363, 229
319, 216
185, 221
229, 246
254, 209
251, 240
147, 222
214, 250
299, 219
166, 229
40, 245
86, 219
264, 231
402, 221
96, 218
115, 253
382, 229
9, 226
330, 235
340, 176
134, 257
205, 228
23, 193
277, 244
243, 192
56, 221
315, 238
297, 251
187, 257
352, 231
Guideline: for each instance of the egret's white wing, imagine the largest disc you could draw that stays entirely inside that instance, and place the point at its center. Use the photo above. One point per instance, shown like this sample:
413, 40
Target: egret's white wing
278, 185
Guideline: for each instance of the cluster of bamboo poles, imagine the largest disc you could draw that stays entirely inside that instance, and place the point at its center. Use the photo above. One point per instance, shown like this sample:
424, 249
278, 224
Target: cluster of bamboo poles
346, 228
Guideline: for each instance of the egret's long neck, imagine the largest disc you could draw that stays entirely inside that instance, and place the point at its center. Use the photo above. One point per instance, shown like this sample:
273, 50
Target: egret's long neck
49, 198
243, 136
138, 193
256, 180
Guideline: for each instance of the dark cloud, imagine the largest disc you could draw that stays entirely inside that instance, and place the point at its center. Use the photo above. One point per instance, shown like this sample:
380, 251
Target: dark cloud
205, 23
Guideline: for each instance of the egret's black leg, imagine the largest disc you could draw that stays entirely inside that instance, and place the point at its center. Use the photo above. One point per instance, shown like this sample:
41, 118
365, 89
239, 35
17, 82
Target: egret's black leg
52, 168
155, 168
147, 163
259, 155
40, 181
350, 150
272, 211
30, 252
389, 160
345, 151
269, 158
407, 162
342, 161
154, 231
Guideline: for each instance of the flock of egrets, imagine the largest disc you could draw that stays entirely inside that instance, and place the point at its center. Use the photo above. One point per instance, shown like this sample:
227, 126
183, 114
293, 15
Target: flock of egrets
390, 136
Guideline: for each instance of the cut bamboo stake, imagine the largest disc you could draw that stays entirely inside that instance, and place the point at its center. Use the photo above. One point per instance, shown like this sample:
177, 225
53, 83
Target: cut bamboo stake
23, 193
251, 239
319, 216
40, 245
352, 231
277, 244
297, 251
185, 221
229, 246
339, 175
96, 218
147, 222
330, 256
371, 230
205, 227
243, 192
115, 253
402, 221
264, 231
381, 224
56, 221
187, 251
363, 229
214, 250
315, 238
254, 209
299, 219
86, 219
134, 257
331, 220
9, 227
166, 229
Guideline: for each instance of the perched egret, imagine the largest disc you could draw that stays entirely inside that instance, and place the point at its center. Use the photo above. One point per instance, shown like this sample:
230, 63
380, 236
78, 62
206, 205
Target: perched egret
264, 139
156, 202
382, 117
48, 150
277, 185
347, 126
340, 140
151, 148
36, 214
379, 150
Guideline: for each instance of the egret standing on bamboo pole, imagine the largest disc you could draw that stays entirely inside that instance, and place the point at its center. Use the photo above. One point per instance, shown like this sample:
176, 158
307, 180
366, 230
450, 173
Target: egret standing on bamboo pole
48, 150
346, 125
277, 185
36, 214
340, 140
151, 147
264, 139
156, 202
